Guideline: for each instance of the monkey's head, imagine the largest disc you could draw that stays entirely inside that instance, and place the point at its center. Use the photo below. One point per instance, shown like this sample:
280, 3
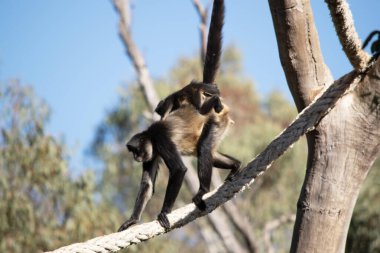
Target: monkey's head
197, 92
141, 147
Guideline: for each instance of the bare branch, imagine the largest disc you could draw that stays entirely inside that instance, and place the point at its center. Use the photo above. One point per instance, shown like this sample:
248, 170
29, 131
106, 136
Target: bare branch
218, 220
145, 81
203, 15
272, 225
344, 26
238, 219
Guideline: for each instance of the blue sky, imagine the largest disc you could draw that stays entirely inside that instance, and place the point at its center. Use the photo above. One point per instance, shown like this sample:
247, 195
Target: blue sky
70, 52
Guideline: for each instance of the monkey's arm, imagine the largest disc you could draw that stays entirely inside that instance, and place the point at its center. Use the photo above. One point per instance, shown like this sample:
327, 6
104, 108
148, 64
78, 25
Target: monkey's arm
146, 191
177, 170
164, 107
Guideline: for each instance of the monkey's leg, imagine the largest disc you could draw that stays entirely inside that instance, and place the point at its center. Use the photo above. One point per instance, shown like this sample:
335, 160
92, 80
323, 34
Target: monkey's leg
223, 161
146, 191
205, 161
177, 170
213, 102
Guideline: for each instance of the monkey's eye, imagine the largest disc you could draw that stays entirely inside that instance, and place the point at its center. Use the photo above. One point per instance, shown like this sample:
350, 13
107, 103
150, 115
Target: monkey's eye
207, 94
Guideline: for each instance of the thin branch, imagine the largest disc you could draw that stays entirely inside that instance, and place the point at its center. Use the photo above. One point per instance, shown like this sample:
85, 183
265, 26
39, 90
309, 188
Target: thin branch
344, 26
272, 225
203, 15
218, 220
146, 84
238, 219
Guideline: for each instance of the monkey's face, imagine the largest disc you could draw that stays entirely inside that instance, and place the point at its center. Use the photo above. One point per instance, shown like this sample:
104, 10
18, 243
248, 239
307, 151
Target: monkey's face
141, 147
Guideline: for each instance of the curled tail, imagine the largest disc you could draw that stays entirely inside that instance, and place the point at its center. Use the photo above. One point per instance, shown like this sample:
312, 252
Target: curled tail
214, 42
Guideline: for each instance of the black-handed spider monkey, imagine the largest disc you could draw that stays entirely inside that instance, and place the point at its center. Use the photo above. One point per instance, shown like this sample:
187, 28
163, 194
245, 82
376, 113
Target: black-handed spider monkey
189, 126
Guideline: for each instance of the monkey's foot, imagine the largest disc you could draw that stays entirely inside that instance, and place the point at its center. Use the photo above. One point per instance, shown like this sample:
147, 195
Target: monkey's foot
199, 202
163, 220
232, 175
127, 224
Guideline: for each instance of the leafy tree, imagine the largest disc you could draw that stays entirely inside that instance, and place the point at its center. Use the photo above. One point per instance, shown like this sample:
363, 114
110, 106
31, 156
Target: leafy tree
41, 206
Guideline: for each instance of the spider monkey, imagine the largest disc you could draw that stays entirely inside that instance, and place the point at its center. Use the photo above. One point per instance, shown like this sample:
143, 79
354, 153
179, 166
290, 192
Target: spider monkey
189, 126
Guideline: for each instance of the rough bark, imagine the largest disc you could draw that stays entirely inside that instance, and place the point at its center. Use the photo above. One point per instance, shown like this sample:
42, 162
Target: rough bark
299, 49
344, 144
347, 143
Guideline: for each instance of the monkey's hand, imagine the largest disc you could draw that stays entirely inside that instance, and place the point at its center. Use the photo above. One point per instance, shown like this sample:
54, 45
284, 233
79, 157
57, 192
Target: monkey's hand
218, 107
131, 221
199, 202
160, 109
163, 220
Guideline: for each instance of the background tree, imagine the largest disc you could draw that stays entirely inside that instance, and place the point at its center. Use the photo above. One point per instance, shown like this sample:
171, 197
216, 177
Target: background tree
41, 206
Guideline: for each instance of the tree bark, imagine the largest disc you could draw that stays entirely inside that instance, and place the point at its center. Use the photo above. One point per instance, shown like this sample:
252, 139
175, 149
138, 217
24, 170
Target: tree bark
344, 144
347, 143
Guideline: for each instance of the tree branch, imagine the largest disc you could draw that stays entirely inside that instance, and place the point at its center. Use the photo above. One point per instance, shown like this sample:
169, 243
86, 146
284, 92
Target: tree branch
203, 15
238, 219
218, 220
344, 26
146, 84
272, 225
300, 52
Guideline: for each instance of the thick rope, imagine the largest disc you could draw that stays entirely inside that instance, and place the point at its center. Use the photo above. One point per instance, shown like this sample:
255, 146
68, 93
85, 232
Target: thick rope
304, 123
349, 39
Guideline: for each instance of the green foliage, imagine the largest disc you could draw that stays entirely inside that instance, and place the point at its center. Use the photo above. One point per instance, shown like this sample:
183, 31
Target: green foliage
41, 207
364, 233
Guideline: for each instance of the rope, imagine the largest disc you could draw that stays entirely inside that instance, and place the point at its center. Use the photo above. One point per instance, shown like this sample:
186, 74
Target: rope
305, 122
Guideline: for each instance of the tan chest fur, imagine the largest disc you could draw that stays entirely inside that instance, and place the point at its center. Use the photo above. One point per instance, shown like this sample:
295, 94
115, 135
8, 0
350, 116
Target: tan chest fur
187, 124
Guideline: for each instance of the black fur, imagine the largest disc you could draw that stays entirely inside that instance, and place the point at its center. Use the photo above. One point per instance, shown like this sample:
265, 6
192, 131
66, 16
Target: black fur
148, 180
205, 161
191, 92
214, 42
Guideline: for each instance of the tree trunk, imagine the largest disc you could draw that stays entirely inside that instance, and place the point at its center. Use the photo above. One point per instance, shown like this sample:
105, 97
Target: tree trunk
344, 144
